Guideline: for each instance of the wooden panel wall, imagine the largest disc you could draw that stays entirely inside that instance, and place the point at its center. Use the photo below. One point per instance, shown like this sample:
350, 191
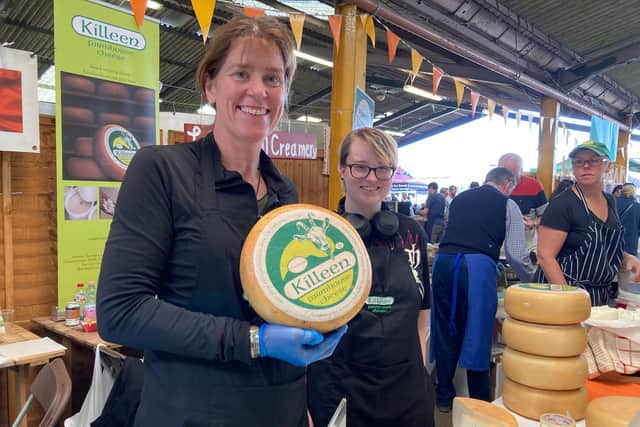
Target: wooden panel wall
33, 219
313, 187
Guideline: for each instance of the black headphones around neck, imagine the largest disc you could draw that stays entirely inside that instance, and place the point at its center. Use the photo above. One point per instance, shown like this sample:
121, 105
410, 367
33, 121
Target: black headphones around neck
383, 225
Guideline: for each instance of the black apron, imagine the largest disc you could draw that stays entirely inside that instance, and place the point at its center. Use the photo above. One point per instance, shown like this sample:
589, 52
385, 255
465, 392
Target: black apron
378, 364
596, 262
267, 392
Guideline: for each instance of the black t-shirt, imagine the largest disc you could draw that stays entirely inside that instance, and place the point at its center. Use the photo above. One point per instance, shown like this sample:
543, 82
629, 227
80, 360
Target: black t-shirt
566, 213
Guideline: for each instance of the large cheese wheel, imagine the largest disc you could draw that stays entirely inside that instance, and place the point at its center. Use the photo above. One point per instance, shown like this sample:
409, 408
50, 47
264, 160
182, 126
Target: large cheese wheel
114, 90
533, 402
114, 147
78, 114
547, 373
78, 84
83, 168
613, 411
305, 266
544, 340
469, 412
547, 304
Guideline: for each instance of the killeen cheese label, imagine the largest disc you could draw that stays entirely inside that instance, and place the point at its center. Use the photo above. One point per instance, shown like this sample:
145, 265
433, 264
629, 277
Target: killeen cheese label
311, 264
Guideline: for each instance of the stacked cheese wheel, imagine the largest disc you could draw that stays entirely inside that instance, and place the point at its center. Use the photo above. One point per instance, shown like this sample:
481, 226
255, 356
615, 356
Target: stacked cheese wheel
614, 411
545, 372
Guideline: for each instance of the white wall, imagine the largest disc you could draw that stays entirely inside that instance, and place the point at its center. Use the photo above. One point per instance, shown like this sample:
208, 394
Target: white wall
175, 121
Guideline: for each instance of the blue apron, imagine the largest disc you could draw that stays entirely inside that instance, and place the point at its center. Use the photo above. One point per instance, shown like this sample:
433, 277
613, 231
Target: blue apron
475, 353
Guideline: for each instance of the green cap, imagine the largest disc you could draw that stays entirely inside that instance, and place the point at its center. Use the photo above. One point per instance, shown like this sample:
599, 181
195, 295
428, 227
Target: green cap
597, 147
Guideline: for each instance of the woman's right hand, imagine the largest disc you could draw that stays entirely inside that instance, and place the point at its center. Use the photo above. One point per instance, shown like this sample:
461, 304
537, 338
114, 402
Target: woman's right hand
299, 347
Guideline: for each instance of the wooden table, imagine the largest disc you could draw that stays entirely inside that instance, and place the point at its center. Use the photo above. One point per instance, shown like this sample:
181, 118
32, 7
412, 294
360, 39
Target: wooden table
18, 369
78, 343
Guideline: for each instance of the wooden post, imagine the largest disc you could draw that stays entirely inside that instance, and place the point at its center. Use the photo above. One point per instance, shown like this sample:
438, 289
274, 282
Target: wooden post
348, 72
549, 109
7, 226
622, 154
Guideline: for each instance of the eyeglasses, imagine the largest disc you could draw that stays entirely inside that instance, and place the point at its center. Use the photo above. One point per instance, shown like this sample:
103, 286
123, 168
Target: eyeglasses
591, 162
383, 173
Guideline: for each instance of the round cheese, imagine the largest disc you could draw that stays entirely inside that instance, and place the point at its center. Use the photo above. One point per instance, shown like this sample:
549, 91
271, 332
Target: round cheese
78, 114
547, 373
613, 411
469, 412
544, 340
556, 420
113, 90
547, 304
82, 168
114, 147
305, 266
533, 402
71, 82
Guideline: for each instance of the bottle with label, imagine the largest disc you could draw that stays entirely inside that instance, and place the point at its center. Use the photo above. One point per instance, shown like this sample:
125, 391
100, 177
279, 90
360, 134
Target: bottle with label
81, 298
90, 306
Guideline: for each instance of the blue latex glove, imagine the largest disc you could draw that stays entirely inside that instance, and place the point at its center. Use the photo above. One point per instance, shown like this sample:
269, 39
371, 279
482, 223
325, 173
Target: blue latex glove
297, 346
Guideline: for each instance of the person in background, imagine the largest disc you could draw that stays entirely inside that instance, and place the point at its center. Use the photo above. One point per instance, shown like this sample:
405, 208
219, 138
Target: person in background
170, 281
474, 184
453, 190
581, 237
629, 213
464, 284
617, 191
379, 365
562, 186
529, 196
434, 212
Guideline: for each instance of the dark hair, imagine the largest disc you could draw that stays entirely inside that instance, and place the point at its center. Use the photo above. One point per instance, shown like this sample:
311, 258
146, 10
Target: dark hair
500, 176
262, 27
433, 186
616, 189
561, 187
474, 184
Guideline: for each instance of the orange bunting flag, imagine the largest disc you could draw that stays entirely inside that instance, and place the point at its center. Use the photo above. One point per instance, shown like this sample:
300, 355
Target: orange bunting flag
297, 24
335, 22
475, 97
392, 43
505, 113
491, 106
435, 81
459, 92
253, 11
204, 13
138, 7
518, 117
416, 62
371, 30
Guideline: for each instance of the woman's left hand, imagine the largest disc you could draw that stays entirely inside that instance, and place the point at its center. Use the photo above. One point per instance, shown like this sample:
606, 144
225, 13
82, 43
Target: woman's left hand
631, 263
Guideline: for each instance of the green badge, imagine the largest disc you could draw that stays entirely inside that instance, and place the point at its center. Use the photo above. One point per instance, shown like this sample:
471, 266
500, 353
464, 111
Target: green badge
121, 145
379, 305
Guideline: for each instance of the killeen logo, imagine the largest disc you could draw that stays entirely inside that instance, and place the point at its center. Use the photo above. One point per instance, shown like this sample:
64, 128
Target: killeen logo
110, 33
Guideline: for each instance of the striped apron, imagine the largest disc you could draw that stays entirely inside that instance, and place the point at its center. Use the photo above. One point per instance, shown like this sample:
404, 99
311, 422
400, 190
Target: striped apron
595, 264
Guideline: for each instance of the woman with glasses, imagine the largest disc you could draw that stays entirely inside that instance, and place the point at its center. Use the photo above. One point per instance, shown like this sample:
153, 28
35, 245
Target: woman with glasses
379, 363
580, 239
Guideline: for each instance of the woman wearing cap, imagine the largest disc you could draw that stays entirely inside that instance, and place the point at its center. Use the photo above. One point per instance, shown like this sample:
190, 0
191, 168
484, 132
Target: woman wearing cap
580, 239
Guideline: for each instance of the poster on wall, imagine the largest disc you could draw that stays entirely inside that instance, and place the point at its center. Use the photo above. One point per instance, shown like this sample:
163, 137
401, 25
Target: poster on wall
107, 73
19, 123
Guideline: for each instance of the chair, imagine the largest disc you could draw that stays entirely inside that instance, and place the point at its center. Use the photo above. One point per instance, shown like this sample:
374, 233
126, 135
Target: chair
52, 388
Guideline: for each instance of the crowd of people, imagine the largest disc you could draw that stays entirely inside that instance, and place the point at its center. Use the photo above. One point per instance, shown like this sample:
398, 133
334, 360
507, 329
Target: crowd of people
170, 281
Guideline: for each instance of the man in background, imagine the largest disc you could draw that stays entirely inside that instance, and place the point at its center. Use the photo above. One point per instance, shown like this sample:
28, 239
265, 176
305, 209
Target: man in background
528, 195
464, 284
434, 212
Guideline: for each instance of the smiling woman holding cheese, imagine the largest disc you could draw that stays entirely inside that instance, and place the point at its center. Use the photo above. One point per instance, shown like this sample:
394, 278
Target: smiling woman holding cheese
170, 281
379, 364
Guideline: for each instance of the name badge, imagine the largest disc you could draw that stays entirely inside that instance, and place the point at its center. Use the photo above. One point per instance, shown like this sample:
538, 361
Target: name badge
379, 305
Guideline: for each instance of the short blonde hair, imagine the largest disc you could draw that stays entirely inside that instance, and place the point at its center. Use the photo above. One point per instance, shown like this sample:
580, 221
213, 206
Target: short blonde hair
628, 190
261, 27
383, 145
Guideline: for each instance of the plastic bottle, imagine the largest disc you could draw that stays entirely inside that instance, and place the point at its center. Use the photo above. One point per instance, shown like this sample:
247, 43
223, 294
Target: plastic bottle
90, 306
81, 298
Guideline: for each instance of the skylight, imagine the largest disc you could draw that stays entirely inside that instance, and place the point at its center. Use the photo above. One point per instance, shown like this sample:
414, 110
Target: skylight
47, 86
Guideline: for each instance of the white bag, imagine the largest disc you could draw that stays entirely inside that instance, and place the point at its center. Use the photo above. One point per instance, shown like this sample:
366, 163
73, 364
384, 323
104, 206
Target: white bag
97, 395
